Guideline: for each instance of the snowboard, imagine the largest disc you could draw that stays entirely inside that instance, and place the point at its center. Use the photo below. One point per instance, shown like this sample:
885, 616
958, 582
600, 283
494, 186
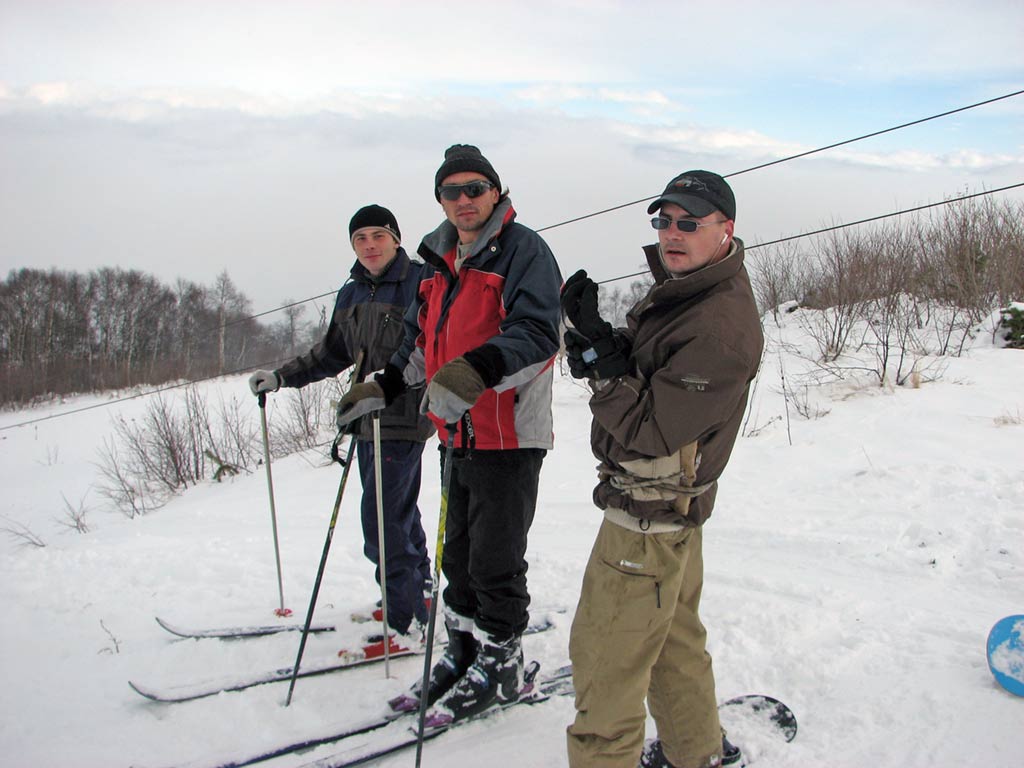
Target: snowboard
754, 713
1006, 653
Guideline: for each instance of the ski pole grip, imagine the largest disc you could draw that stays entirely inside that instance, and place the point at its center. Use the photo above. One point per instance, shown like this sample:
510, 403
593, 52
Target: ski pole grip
262, 397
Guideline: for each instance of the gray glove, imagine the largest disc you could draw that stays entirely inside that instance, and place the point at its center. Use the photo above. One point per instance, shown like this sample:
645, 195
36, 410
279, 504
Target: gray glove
454, 389
360, 400
264, 381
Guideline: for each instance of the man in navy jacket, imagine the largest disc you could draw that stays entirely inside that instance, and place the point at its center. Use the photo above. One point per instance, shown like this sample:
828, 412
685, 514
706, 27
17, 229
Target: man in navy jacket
367, 318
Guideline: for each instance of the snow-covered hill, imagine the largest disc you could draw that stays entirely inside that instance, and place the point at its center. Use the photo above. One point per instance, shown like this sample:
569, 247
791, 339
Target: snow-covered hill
855, 564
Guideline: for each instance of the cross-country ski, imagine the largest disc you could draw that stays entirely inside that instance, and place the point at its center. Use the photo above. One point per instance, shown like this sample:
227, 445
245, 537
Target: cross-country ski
342, 661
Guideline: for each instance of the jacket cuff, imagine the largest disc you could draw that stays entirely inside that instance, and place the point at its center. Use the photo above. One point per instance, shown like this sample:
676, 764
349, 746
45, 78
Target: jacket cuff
488, 363
391, 382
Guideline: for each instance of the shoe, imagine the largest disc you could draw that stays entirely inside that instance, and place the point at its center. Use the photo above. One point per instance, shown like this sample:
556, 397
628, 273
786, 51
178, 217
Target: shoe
459, 655
495, 677
731, 754
377, 614
653, 756
413, 640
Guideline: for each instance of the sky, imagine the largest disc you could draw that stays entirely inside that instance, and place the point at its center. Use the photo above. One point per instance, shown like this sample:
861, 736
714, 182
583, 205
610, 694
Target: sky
187, 138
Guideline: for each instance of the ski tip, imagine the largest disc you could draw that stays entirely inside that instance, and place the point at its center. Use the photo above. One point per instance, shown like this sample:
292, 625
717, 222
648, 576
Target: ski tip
169, 627
143, 692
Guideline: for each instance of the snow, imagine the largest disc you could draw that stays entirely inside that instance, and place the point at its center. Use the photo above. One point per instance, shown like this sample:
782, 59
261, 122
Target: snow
854, 565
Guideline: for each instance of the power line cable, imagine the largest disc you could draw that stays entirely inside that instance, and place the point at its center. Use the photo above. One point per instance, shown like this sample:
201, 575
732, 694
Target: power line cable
136, 396
799, 155
603, 211
844, 226
609, 210
270, 363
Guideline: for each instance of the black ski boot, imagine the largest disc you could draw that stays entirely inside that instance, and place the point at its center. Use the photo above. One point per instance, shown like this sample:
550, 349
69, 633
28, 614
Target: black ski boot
654, 757
458, 656
496, 677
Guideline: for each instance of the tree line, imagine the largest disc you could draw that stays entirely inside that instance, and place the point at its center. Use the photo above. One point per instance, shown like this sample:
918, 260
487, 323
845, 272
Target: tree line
64, 332
907, 291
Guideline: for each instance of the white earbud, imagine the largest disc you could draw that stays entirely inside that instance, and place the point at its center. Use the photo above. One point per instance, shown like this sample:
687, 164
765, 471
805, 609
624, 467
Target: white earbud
724, 238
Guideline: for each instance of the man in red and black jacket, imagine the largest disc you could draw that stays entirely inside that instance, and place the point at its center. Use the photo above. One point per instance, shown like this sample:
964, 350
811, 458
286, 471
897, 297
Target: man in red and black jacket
482, 333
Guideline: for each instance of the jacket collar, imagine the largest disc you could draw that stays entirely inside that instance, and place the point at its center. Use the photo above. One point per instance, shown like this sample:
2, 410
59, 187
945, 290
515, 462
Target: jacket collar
445, 239
672, 288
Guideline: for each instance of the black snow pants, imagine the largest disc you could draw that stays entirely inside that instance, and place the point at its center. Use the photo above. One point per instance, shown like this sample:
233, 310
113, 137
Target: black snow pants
491, 503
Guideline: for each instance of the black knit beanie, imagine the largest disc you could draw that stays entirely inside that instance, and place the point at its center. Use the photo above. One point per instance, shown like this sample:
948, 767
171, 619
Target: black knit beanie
375, 216
464, 157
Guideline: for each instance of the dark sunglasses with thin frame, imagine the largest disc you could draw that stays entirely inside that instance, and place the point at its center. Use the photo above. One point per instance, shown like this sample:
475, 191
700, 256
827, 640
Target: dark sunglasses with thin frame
473, 189
684, 225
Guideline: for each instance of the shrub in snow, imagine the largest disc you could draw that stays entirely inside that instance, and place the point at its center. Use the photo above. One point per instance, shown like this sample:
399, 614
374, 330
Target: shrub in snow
1011, 325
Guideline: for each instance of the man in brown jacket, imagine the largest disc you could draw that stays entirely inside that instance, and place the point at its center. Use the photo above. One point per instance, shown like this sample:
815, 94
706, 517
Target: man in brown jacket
669, 392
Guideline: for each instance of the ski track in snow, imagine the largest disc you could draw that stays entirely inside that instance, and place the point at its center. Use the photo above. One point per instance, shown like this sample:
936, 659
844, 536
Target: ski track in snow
853, 574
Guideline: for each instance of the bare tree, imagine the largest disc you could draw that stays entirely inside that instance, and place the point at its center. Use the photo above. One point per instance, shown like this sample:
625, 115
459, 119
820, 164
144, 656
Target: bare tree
293, 312
777, 276
74, 516
21, 533
840, 285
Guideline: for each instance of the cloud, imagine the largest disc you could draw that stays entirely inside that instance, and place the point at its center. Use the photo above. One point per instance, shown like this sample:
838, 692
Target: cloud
49, 93
643, 117
918, 161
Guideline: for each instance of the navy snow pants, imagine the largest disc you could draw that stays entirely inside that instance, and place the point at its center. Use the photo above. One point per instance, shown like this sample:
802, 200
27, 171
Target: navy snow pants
405, 544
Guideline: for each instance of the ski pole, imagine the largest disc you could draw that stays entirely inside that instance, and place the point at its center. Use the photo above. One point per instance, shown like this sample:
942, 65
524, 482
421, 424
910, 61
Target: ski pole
347, 464
281, 611
382, 558
446, 481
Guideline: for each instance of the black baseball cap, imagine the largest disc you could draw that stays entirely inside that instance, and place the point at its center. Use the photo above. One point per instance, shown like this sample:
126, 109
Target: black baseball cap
700, 193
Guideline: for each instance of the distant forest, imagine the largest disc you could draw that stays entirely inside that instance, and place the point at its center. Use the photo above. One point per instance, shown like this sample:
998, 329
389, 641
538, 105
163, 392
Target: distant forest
942, 272
64, 332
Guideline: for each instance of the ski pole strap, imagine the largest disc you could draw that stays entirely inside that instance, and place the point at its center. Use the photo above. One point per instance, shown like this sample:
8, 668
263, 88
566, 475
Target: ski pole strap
355, 377
335, 453
468, 434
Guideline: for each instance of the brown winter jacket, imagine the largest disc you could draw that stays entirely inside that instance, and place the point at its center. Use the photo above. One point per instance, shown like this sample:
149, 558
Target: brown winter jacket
696, 346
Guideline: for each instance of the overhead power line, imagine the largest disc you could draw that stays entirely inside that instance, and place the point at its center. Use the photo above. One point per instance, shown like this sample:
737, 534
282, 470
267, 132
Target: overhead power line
599, 213
844, 226
158, 390
888, 215
797, 156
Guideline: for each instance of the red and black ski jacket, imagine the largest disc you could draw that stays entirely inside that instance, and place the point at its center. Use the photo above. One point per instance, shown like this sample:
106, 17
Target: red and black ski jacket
504, 295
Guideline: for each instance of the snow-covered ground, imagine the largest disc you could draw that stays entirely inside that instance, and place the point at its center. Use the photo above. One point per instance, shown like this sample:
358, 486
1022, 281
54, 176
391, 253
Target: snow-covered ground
853, 572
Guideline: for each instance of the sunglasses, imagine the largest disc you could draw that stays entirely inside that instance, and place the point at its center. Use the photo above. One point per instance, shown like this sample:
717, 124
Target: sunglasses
473, 189
684, 225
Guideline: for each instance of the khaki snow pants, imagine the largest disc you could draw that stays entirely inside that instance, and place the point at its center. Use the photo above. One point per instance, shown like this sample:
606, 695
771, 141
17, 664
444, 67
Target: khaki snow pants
637, 635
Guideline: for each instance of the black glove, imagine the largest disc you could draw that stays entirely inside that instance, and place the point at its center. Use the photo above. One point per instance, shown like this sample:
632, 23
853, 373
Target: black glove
606, 358
579, 303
